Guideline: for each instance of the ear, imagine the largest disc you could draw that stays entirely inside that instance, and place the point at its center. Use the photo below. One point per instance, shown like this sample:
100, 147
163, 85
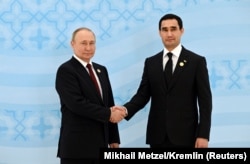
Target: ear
72, 43
160, 33
182, 31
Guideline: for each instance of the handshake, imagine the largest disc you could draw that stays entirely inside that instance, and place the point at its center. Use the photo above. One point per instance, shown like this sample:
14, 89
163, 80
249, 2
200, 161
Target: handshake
117, 113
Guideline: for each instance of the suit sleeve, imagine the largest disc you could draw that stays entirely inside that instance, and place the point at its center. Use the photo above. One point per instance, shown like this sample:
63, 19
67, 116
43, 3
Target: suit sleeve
76, 96
204, 99
142, 96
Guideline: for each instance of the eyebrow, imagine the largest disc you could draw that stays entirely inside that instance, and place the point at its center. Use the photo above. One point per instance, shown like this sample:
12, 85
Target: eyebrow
169, 27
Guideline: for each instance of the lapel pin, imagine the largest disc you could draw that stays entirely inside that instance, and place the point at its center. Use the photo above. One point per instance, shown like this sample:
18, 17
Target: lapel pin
98, 70
181, 64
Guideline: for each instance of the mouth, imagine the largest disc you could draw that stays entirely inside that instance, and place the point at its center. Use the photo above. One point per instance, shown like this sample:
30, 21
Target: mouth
169, 40
88, 54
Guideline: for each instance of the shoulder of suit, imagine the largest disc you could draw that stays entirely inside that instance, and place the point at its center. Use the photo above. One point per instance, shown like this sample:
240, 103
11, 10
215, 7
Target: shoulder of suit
159, 54
97, 65
191, 53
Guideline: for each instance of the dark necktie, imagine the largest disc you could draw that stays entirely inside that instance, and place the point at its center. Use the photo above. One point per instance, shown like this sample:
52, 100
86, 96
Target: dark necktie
169, 68
91, 73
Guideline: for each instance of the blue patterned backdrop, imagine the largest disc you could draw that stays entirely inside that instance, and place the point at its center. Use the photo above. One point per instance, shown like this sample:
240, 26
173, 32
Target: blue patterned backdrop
34, 39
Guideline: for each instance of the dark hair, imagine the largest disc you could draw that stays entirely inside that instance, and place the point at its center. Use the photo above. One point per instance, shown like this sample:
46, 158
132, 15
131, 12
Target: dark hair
171, 16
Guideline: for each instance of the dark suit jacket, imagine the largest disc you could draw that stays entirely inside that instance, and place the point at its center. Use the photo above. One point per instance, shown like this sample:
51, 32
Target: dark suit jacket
85, 126
183, 111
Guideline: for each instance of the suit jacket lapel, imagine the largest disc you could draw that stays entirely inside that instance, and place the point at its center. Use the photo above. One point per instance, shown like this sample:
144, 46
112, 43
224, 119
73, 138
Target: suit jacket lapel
160, 70
82, 71
100, 74
180, 66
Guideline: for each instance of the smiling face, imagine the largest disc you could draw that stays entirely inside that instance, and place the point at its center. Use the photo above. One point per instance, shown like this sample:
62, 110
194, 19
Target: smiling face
83, 44
170, 33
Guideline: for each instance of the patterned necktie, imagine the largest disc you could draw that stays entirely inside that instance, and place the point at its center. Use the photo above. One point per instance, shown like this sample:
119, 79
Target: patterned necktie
91, 73
169, 68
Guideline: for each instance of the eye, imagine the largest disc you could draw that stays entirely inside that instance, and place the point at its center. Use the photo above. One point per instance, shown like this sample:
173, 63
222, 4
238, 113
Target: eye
173, 28
164, 29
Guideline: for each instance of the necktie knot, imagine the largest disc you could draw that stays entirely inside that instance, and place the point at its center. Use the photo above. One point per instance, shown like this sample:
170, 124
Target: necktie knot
89, 66
170, 55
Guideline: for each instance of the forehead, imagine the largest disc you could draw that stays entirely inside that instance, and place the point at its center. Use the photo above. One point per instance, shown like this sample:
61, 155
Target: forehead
84, 35
169, 23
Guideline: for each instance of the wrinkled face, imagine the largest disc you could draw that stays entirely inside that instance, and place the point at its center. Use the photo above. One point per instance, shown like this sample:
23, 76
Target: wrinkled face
170, 33
84, 45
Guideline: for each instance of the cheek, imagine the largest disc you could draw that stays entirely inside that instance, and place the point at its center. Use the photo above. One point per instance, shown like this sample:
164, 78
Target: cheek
78, 50
162, 35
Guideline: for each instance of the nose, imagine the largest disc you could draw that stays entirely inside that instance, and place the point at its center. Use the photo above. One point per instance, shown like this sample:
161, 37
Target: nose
169, 33
88, 47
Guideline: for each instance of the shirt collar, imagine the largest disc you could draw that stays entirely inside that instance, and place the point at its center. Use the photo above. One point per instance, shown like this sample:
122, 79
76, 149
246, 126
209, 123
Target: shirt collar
81, 61
176, 52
